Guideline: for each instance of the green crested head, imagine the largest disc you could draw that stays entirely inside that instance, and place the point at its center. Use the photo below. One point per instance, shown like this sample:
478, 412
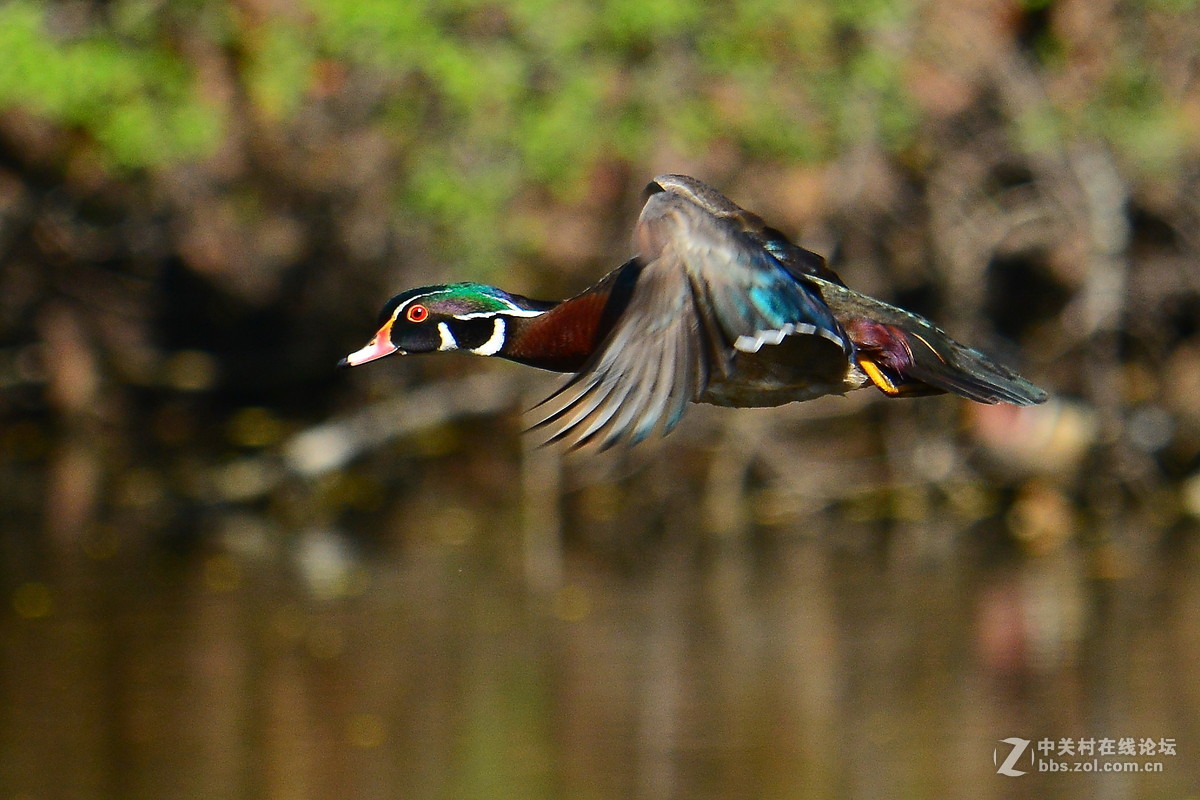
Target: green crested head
459, 300
457, 316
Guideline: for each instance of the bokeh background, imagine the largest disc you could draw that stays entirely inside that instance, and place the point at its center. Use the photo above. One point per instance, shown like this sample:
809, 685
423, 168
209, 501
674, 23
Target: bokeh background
228, 570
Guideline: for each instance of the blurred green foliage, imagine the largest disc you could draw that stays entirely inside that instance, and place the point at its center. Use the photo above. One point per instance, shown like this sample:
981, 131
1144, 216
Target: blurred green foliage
136, 98
483, 98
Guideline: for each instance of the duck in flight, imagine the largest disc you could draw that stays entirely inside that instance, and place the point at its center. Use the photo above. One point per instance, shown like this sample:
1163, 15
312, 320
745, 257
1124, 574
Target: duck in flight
716, 307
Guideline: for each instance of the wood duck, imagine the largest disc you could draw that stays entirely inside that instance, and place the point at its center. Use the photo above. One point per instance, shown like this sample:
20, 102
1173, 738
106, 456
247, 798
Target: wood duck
717, 307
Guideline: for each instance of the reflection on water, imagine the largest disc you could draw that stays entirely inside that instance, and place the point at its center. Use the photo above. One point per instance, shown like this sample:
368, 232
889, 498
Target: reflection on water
808, 670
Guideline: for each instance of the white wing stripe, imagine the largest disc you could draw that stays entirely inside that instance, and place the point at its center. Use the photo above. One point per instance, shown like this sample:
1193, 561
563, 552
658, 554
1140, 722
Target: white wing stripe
752, 344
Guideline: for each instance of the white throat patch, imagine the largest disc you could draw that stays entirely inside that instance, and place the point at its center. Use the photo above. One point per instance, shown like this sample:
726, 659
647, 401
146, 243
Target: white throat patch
447, 336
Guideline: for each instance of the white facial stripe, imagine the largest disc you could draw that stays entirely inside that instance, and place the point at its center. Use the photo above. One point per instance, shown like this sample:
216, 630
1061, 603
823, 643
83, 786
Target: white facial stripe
752, 344
511, 311
448, 342
493, 344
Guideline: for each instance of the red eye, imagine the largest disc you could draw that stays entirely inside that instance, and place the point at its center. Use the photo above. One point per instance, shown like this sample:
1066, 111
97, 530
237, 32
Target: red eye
417, 313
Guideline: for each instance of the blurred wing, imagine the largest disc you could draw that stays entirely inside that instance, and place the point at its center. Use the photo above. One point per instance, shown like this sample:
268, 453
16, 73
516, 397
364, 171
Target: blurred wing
795, 259
652, 364
706, 291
